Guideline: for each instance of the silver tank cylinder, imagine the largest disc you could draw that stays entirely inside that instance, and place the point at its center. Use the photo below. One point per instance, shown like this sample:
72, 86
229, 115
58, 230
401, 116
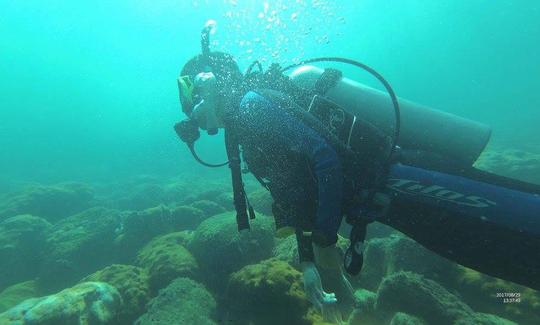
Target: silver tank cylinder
422, 128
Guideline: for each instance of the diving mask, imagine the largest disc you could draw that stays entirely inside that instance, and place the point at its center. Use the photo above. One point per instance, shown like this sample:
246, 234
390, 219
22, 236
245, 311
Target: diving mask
198, 100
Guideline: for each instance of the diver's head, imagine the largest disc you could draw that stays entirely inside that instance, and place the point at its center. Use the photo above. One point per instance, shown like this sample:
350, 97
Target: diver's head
208, 85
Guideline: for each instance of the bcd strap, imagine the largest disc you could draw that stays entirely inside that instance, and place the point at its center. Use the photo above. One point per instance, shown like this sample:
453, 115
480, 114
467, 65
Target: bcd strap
326, 81
239, 194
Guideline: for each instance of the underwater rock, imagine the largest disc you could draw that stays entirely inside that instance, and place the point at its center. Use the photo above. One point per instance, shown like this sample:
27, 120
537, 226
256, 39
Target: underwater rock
415, 295
485, 319
404, 319
184, 301
79, 245
138, 228
220, 249
270, 292
286, 249
52, 203
143, 196
364, 313
209, 208
261, 201
22, 239
385, 256
379, 230
225, 199
512, 163
89, 303
189, 217
480, 292
132, 283
17, 293
166, 259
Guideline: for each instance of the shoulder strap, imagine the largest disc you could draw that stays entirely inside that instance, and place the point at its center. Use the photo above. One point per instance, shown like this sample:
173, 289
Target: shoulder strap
328, 79
241, 203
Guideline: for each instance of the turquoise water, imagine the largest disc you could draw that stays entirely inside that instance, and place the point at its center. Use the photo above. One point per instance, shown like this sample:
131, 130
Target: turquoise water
92, 173
88, 90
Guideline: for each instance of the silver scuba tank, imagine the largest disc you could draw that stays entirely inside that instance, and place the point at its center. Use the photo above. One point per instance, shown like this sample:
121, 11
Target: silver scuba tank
422, 128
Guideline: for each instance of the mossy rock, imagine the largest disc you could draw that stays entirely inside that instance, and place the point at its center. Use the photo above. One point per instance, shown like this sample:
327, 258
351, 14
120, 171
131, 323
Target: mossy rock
364, 313
385, 256
220, 249
142, 196
480, 292
270, 292
189, 217
80, 245
166, 259
86, 303
52, 203
132, 283
138, 228
261, 201
22, 241
512, 163
209, 208
415, 295
183, 301
17, 293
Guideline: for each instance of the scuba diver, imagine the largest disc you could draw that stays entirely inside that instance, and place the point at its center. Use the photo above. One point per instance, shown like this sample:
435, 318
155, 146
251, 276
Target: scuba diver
325, 149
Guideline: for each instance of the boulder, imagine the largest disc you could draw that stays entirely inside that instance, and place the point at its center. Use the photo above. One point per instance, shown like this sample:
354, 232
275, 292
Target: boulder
80, 245
52, 203
220, 249
17, 293
138, 228
480, 292
22, 239
512, 163
364, 313
142, 196
209, 208
415, 295
385, 256
132, 283
404, 319
261, 201
165, 258
89, 303
183, 301
270, 292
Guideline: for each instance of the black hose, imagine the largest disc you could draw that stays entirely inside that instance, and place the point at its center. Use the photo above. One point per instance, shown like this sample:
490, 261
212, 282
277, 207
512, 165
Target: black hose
257, 63
191, 147
374, 73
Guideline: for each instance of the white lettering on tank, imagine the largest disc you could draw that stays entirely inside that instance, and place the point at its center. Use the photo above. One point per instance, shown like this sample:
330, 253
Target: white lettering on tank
438, 192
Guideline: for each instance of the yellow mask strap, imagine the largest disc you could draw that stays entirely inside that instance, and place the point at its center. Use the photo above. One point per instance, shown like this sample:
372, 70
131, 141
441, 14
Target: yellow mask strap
186, 87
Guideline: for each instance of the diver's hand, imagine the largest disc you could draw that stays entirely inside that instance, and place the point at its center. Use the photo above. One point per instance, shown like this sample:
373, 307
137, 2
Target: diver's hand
313, 286
325, 302
327, 257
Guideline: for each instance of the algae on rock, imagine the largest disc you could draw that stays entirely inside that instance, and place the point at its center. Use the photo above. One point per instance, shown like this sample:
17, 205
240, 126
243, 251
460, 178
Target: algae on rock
166, 259
22, 239
132, 283
88, 303
270, 292
183, 301
52, 203
17, 293
80, 245
220, 249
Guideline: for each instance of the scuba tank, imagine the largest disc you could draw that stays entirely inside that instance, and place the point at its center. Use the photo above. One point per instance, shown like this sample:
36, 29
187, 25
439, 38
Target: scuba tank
422, 128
